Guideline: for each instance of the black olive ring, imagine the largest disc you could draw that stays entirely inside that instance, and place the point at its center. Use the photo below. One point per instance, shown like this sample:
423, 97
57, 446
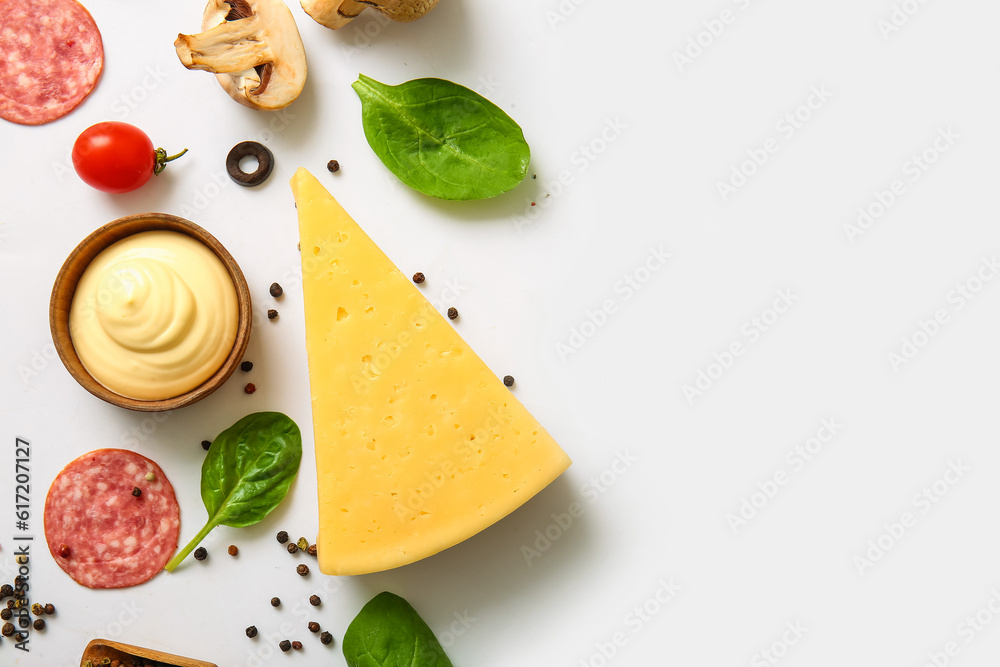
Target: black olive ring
265, 162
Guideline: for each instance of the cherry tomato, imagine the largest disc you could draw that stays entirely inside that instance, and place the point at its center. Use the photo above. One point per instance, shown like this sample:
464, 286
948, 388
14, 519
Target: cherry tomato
117, 157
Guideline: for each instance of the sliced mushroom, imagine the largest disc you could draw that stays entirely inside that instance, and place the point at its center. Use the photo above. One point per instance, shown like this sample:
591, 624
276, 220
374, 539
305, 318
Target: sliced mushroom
254, 49
338, 13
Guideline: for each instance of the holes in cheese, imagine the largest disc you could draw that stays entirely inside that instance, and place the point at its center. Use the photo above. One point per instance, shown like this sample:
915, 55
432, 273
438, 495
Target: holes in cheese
418, 444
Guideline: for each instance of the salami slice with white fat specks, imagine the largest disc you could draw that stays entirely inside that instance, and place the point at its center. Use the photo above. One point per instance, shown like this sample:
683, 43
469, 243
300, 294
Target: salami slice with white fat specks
51, 56
102, 534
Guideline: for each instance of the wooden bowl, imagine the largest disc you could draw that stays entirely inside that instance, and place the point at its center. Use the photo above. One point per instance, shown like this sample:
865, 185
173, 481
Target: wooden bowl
99, 649
74, 266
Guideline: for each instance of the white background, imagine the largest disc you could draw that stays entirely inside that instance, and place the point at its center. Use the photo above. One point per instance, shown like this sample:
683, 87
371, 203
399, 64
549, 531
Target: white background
642, 140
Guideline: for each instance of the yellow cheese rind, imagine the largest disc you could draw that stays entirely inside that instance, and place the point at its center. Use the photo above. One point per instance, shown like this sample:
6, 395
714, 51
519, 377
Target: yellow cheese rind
419, 445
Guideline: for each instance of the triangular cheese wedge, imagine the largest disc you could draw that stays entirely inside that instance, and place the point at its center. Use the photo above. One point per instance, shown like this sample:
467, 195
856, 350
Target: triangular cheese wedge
418, 444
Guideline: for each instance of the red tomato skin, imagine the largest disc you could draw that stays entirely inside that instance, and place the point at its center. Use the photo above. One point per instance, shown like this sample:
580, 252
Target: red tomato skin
114, 157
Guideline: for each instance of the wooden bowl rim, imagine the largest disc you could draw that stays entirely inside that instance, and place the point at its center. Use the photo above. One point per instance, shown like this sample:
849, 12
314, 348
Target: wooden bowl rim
98, 648
84, 253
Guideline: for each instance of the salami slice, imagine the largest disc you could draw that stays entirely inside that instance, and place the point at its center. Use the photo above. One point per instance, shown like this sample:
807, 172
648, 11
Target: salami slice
102, 534
51, 56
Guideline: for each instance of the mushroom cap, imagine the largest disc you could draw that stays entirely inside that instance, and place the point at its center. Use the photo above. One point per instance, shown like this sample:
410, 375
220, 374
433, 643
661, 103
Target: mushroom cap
254, 49
338, 13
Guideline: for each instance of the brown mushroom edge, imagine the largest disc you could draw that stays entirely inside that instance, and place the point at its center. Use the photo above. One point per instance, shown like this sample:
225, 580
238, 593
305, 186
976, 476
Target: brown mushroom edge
337, 13
254, 49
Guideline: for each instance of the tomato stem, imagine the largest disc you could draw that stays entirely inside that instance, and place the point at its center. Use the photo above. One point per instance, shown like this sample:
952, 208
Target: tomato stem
162, 159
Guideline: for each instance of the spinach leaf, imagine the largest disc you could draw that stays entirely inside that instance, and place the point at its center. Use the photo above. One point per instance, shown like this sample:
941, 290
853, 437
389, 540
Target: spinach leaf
443, 139
247, 473
388, 632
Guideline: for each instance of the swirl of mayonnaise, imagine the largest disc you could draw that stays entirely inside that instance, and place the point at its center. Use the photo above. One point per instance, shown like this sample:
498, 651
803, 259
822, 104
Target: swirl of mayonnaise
154, 315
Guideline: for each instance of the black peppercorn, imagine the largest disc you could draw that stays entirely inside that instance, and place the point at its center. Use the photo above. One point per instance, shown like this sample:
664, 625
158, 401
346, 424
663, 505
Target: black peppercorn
333, 166
246, 366
292, 547
282, 536
7, 630
275, 602
418, 277
201, 553
49, 609
20, 637
252, 631
311, 550
313, 626
314, 600
285, 645
326, 637
303, 569
271, 313
6, 590
275, 290
136, 491
5, 614
508, 380
205, 444
452, 313
39, 624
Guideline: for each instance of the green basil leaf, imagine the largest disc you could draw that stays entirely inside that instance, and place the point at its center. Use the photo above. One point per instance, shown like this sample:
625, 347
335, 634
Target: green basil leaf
443, 139
249, 468
388, 632
247, 473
